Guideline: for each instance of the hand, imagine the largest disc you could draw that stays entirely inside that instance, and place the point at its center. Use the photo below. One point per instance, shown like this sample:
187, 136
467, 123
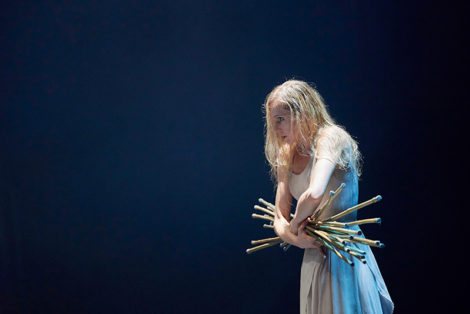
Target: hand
304, 240
301, 240
294, 226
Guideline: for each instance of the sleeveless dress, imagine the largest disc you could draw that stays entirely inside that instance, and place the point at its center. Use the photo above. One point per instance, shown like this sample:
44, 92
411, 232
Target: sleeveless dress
330, 285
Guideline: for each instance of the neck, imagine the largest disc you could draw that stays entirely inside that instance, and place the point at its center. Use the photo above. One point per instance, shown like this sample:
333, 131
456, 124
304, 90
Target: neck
303, 150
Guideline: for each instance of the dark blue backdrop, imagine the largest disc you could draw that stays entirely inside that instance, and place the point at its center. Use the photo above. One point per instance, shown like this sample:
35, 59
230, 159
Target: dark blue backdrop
132, 148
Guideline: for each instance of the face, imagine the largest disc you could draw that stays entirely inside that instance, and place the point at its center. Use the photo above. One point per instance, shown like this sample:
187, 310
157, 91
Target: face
281, 121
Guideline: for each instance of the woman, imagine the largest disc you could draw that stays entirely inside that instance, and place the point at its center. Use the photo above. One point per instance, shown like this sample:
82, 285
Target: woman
309, 155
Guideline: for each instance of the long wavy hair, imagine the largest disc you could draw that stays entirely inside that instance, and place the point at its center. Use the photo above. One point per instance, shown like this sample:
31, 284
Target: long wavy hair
309, 115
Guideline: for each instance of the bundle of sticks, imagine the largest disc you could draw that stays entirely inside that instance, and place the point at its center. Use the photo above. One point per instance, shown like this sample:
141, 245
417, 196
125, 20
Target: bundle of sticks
331, 233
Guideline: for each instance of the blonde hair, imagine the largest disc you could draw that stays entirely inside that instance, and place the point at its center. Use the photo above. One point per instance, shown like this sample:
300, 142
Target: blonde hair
309, 115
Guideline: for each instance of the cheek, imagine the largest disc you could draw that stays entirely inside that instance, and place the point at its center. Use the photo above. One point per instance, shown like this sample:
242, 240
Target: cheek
288, 127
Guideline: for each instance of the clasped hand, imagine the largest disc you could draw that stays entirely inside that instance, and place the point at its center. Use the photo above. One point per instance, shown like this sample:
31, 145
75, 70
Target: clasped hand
304, 240
299, 238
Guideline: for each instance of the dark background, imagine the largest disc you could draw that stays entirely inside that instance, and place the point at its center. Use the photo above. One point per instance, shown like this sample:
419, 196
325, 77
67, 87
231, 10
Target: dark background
132, 148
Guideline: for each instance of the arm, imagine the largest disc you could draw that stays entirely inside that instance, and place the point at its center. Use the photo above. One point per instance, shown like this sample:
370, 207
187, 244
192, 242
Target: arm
282, 217
282, 208
311, 198
331, 143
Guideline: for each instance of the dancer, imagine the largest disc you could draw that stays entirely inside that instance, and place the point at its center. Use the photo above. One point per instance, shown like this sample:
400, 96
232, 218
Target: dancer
310, 155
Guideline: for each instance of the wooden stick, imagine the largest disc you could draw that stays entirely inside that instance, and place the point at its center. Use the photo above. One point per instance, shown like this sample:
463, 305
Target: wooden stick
320, 210
336, 239
310, 228
268, 226
334, 246
327, 204
341, 240
326, 237
271, 206
285, 248
267, 204
283, 244
342, 235
260, 247
334, 224
354, 208
262, 217
335, 193
339, 254
356, 250
264, 210
358, 256
365, 221
266, 240
341, 230
365, 241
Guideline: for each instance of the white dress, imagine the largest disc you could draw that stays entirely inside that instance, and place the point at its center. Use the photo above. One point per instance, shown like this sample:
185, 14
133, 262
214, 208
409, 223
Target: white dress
330, 285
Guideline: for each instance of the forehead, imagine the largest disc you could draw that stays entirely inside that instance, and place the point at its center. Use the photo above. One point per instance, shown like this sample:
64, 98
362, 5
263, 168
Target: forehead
279, 108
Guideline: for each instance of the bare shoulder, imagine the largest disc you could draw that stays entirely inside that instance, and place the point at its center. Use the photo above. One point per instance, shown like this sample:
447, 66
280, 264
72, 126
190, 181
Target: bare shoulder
334, 136
337, 145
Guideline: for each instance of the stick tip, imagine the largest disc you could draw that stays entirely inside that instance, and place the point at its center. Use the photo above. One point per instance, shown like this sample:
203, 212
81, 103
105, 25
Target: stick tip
381, 245
379, 198
359, 232
332, 193
343, 185
379, 221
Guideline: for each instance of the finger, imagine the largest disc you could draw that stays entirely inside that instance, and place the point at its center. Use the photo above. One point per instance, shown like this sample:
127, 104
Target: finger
294, 231
310, 239
316, 244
